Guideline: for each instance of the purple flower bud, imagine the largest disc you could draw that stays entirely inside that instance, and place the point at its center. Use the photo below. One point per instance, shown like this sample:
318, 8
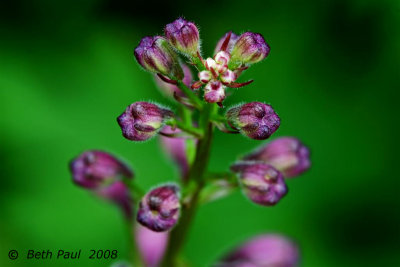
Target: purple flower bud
287, 154
93, 169
231, 43
176, 148
183, 35
255, 120
119, 194
261, 182
142, 120
264, 251
169, 89
156, 55
151, 245
159, 208
250, 48
214, 92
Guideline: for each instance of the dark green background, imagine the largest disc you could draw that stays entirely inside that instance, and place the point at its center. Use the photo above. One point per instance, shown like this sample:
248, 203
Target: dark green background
67, 71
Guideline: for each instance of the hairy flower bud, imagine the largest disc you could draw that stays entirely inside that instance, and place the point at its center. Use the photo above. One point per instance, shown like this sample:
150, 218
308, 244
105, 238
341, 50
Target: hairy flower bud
230, 45
264, 251
214, 92
255, 120
169, 89
119, 194
183, 35
176, 148
156, 55
262, 183
287, 154
93, 169
159, 208
250, 48
151, 245
142, 120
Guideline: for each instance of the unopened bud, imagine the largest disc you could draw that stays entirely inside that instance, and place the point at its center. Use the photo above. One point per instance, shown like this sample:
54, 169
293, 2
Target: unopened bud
214, 92
205, 76
222, 58
93, 169
183, 35
159, 209
156, 55
142, 120
287, 154
262, 183
249, 48
255, 120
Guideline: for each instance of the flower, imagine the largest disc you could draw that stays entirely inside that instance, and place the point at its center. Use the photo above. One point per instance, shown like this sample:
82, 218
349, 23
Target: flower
249, 48
151, 245
142, 120
261, 183
255, 120
159, 208
214, 92
94, 168
156, 55
271, 250
287, 154
183, 35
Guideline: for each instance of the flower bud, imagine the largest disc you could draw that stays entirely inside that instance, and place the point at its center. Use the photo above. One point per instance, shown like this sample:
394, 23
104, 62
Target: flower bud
159, 208
287, 154
265, 250
262, 183
176, 148
142, 120
255, 120
214, 92
119, 194
183, 35
169, 89
93, 169
231, 42
151, 245
156, 55
250, 48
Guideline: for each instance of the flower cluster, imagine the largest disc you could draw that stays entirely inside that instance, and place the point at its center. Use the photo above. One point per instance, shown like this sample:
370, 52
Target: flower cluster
186, 134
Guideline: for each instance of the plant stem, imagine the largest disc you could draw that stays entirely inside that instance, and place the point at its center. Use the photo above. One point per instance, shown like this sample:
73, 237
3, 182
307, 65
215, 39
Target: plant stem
190, 94
196, 177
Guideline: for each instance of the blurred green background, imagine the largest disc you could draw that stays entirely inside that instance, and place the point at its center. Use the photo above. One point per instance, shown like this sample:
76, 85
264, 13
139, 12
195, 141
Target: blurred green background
67, 71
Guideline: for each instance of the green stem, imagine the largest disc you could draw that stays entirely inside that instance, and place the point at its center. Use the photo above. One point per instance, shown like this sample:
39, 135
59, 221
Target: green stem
190, 94
196, 178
